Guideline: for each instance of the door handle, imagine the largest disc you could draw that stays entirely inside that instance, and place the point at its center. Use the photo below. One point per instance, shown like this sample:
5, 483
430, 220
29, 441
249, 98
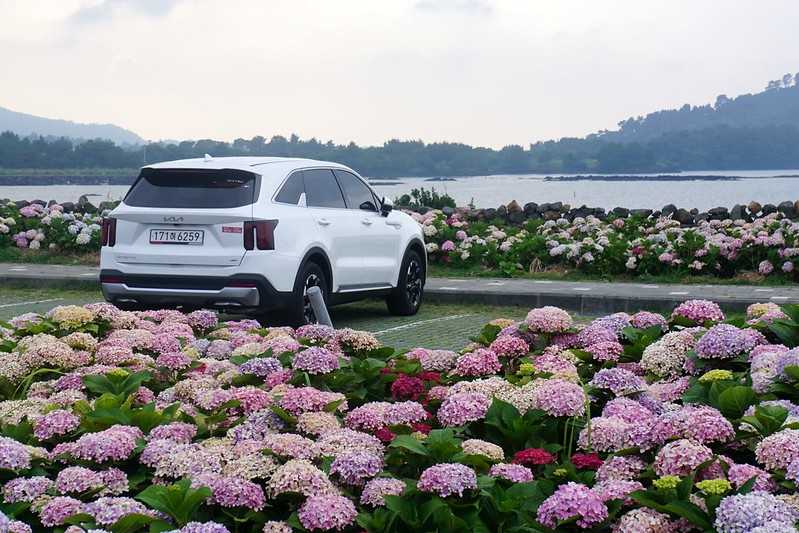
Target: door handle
323, 221
393, 223
366, 222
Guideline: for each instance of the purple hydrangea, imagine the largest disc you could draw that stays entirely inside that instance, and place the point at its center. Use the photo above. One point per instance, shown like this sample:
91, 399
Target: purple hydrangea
463, 407
25, 489
261, 366
55, 423
315, 360
698, 311
511, 472
559, 397
14, 455
618, 381
376, 489
326, 512
741, 513
356, 467
573, 500
446, 479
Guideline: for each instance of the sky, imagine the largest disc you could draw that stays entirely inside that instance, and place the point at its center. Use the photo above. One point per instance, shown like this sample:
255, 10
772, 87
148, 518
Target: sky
482, 72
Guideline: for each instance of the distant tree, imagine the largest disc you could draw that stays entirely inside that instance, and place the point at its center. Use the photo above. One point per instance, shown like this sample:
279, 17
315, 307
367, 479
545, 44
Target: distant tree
786, 80
772, 85
721, 100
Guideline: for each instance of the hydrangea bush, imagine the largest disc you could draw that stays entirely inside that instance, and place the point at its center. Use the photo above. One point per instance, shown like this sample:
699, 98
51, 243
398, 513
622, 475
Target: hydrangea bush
38, 227
155, 421
768, 245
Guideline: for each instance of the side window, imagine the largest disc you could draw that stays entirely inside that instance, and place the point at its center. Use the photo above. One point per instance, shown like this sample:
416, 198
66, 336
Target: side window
358, 195
322, 190
292, 189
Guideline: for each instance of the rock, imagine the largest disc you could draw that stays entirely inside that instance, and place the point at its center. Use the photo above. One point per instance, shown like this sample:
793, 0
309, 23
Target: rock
694, 211
656, 214
422, 210
543, 208
669, 209
530, 207
68, 207
449, 211
600, 213
620, 212
514, 207
702, 216
21, 203
502, 211
787, 209
683, 217
754, 208
557, 206
40, 202
718, 213
489, 213
85, 205
796, 206
643, 213
106, 205
768, 209
51, 203
738, 212
551, 215
516, 217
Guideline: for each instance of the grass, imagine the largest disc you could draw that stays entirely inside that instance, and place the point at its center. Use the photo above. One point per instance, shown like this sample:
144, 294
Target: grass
744, 278
44, 257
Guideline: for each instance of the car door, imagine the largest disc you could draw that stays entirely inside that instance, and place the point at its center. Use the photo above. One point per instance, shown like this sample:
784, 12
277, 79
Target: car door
338, 226
380, 241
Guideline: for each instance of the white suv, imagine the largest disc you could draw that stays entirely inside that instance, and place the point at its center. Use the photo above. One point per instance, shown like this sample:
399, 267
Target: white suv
253, 234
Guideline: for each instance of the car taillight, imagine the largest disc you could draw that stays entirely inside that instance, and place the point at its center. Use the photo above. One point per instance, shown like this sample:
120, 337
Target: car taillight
104, 278
108, 232
260, 233
241, 283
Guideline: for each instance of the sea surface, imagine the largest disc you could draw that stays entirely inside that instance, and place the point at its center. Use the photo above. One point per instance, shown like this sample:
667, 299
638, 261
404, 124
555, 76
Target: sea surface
763, 186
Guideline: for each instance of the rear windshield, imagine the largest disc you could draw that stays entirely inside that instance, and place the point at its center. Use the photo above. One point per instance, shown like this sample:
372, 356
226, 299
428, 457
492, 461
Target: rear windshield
193, 189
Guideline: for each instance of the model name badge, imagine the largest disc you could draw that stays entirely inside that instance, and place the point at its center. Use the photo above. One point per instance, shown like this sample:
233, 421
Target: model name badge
173, 219
231, 229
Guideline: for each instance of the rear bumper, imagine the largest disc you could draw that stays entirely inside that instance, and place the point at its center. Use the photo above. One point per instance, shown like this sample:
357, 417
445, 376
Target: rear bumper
241, 291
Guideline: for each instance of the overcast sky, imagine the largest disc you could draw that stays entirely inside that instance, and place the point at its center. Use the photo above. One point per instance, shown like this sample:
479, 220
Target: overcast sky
477, 71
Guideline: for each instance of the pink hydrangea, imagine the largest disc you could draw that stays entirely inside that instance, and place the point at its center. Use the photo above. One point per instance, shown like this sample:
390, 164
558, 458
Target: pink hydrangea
681, 457
327, 512
559, 397
463, 407
447, 479
698, 311
509, 346
481, 362
573, 500
548, 319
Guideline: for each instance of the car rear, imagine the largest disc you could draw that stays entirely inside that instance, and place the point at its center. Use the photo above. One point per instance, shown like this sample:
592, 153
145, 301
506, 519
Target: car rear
180, 237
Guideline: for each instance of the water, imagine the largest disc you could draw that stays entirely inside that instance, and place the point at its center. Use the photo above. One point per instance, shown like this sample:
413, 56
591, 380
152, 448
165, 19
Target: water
491, 191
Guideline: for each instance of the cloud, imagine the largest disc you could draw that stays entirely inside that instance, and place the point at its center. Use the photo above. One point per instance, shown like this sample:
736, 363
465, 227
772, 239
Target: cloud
107, 9
470, 7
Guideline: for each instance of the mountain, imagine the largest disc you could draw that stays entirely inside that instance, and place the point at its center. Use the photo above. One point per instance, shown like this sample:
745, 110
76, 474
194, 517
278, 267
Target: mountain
24, 124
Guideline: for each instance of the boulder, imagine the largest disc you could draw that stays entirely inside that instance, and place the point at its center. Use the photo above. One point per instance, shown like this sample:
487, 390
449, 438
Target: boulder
21, 203
85, 205
694, 211
551, 215
754, 208
738, 212
530, 207
669, 209
514, 207
106, 205
489, 213
556, 206
683, 217
769, 209
68, 207
702, 216
51, 203
543, 208
516, 217
40, 202
643, 213
796, 206
620, 212
718, 213
502, 211
787, 209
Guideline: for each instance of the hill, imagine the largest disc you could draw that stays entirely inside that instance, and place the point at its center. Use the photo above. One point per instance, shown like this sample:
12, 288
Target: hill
25, 124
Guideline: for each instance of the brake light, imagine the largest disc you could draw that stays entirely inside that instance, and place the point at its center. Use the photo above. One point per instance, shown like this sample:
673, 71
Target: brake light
108, 232
260, 233
240, 283
110, 279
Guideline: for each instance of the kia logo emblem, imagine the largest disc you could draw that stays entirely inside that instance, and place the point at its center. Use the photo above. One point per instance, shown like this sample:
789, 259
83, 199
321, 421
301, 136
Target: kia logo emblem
173, 219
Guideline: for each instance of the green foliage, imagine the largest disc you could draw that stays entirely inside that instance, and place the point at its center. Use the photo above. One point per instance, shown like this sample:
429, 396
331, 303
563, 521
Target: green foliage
421, 197
179, 500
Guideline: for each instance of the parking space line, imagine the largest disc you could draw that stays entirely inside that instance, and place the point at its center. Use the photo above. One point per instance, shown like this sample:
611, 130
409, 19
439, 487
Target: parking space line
32, 302
420, 322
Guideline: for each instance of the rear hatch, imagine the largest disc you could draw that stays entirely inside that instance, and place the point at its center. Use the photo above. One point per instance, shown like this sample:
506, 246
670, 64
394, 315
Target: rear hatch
185, 217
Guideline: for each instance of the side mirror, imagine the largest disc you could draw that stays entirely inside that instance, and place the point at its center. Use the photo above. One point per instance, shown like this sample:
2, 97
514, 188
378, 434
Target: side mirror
385, 207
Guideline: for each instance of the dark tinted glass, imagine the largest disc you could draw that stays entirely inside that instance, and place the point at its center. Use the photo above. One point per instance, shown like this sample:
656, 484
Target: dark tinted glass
292, 189
193, 189
356, 192
321, 189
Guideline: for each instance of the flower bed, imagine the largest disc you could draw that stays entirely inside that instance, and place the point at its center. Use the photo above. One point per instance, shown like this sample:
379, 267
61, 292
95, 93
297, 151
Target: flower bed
38, 227
158, 420
768, 245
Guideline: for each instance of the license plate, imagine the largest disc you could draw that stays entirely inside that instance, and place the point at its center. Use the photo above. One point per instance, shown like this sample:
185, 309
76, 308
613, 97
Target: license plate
176, 236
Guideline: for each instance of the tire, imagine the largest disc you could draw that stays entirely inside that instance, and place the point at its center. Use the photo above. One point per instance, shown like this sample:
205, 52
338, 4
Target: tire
299, 311
406, 298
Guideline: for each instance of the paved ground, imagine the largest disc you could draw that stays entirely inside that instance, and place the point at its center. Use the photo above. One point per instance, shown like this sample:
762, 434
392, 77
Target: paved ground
588, 298
446, 326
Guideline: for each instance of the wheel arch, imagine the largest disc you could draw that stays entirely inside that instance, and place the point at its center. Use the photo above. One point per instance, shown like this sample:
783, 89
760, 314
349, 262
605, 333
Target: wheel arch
319, 256
417, 246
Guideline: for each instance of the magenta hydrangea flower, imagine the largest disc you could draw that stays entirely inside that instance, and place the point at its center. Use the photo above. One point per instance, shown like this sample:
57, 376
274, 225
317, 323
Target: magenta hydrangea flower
356, 467
681, 457
58, 509
446, 479
173, 360
113, 444
376, 489
572, 500
109, 510
326, 512
203, 527
315, 360
509, 346
463, 407
511, 472
25, 489
779, 449
725, 341
481, 362
620, 467
605, 350
698, 311
645, 319
738, 474
232, 491
55, 423
308, 399
559, 397
548, 319
202, 319
180, 432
